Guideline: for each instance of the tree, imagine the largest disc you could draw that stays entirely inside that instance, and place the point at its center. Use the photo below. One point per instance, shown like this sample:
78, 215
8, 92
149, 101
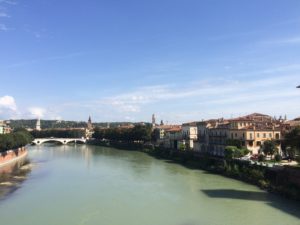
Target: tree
14, 140
98, 133
278, 158
140, 133
292, 143
229, 152
269, 147
261, 158
235, 152
234, 142
182, 147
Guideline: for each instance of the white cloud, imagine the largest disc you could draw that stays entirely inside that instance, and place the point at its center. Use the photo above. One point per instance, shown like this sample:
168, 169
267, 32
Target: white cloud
37, 112
210, 98
8, 102
8, 2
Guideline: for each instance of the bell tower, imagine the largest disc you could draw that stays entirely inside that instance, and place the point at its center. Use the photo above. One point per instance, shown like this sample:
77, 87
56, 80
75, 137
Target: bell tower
90, 125
38, 124
153, 120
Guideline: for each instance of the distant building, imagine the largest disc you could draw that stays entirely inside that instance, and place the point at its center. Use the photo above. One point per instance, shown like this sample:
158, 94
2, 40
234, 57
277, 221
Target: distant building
173, 137
161, 131
4, 127
189, 134
288, 125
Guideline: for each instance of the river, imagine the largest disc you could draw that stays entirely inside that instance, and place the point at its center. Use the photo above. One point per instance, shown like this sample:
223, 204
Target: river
89, 185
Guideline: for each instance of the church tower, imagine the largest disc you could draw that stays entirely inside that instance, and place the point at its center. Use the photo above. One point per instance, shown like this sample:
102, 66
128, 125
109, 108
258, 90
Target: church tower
153, 121
90, 125
38, 124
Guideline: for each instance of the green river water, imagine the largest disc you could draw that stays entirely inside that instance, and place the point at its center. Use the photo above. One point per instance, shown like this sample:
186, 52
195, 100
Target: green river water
88, 185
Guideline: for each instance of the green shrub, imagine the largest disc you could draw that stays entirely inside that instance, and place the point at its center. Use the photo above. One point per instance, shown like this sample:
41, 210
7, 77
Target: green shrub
229, 152
278, 158
261, 158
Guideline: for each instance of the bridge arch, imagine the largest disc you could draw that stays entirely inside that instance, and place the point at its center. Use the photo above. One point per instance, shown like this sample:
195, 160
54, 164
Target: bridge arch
76, 141
64, 141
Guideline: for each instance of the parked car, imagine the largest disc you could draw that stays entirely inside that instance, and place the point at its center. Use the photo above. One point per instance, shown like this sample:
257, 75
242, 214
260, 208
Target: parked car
254, 157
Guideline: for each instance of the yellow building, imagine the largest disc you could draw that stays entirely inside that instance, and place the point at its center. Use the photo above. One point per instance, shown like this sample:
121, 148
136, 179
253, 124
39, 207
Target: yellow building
252, 130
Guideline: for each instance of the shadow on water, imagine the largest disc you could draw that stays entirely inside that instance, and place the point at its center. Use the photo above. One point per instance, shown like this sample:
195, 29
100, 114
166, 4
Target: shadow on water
287, 206
12, 176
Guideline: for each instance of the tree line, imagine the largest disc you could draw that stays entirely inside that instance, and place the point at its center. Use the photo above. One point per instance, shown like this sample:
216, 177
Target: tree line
47, 124
76, 133
56, 124
140, 133
17, 139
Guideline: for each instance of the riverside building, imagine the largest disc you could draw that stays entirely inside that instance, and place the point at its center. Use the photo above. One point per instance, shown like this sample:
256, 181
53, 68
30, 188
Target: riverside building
212, 136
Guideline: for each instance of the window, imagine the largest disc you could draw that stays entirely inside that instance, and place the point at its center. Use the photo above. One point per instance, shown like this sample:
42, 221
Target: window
243, 135
258, 135
235, 134
277, 136
231, 135
265, 135
251, 136
258, 143
270, 135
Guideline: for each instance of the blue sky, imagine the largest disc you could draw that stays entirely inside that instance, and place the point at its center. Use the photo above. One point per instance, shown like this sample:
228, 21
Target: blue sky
119, 60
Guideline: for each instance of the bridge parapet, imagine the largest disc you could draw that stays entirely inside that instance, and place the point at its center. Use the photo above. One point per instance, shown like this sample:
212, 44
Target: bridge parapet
64, 141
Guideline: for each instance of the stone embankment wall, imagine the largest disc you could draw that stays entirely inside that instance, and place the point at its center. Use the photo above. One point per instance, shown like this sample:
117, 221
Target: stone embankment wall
11, 155
285, 175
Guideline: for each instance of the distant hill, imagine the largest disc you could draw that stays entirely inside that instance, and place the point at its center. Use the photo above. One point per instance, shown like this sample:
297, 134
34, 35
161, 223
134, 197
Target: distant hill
52, 124
46, 124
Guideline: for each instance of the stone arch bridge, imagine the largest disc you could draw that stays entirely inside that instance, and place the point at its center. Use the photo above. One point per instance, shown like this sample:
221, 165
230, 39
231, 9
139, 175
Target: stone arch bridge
64, 141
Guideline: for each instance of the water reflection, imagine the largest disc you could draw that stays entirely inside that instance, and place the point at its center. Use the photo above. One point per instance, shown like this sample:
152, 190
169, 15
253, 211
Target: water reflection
78, 184
13, 175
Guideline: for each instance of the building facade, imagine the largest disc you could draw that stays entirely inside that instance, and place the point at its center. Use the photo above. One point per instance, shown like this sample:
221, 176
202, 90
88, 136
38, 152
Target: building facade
251, 131
4, 127
189, 134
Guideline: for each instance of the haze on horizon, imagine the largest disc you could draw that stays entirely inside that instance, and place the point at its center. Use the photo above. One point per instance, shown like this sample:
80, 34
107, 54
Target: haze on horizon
124, 60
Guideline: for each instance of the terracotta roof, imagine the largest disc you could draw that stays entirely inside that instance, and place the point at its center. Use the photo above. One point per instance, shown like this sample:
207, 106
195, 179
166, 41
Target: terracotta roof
190, 124
293, 122
256, 114
241, 119
167, 126
174, 129
250, 117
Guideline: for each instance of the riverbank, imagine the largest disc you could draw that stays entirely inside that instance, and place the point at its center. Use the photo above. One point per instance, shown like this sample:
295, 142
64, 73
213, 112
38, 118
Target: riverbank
11, 156
12, 175
281, 180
